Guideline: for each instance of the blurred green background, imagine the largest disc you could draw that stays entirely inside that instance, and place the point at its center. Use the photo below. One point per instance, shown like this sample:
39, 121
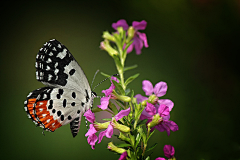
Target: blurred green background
193, 46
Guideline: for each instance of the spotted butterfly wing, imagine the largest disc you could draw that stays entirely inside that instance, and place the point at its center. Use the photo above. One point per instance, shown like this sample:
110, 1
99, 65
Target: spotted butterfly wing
67, 94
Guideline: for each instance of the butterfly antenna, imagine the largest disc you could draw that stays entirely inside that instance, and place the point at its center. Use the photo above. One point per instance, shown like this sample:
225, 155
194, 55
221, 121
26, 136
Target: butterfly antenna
94, 77
104, 80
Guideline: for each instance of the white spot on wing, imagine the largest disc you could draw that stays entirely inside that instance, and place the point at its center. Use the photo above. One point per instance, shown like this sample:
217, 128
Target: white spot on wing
62, 54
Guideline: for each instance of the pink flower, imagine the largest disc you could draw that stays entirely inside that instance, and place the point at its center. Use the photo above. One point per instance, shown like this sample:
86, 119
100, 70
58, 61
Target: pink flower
169, 151
92, 138
95, 127
123, 156
160, 119
109, 131
120, 23
108, 95
158, 90
139, 39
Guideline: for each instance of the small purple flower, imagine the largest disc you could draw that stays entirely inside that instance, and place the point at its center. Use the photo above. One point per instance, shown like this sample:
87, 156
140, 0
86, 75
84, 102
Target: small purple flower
92, 138
158, 90
139, 39
162, 123
109, 131
108, 95
123, 156
160, 158
169, 151
120, 23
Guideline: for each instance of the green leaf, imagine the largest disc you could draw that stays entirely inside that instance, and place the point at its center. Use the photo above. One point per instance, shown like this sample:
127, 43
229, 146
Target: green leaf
119, 87
107, 119
94, 110
130, 79
143, 122
127, 91
127, 45
138, 139
150, 134
139, 113
123, 145
104, 74
153, 146
130, 67
132, 94
113, 108
148, 158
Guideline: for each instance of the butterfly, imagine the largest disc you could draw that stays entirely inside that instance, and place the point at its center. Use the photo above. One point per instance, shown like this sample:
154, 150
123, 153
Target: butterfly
67, 94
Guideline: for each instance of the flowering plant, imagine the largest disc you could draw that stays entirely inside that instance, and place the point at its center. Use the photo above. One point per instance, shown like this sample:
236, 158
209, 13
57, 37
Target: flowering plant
135, 116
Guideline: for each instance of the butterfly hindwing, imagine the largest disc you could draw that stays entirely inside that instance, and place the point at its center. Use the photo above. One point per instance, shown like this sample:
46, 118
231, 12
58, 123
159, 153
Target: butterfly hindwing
51, 108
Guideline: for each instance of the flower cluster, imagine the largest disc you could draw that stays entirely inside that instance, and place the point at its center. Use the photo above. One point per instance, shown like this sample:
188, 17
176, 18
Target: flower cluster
135, 116
95, 126
157, 110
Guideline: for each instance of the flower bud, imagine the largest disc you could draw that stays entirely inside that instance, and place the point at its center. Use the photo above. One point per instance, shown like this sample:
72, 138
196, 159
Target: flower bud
121, 97
118, 126
144, 103
153, 99
155, 121
123, 137
114, 148
120, 31
107, 47
108, 36
100, 126
131, 33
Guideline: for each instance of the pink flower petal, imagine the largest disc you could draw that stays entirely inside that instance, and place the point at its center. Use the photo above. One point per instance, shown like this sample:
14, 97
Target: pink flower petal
91, 130
115, 79
160, 89
130, 48
147, 87
122, 113
101, 134
171, 125
167, 102
143, 37
140, 98
163, 110
145, 115
104, 103
109, 131
92, 139
169, 151
138, 44
123, 156
120, 23
150, 109
139, 25
160, 158
160, 127
89, 116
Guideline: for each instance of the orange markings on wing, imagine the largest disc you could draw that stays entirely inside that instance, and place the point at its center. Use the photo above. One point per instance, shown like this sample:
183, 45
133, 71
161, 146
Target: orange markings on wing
30, 107
45, 117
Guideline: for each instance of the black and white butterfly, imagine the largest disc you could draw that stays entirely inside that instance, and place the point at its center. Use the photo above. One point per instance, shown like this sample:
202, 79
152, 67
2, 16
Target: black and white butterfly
67, 94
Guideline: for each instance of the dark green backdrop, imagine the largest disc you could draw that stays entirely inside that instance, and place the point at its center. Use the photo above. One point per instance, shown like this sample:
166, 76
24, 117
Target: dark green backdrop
193, 46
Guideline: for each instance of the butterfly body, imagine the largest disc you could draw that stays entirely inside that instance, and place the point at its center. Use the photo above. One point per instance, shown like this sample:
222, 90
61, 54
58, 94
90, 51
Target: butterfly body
67, 94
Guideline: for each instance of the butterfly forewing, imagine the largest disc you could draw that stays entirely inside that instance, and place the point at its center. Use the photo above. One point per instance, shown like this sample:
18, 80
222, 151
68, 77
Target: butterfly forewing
67, 95
55, 66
